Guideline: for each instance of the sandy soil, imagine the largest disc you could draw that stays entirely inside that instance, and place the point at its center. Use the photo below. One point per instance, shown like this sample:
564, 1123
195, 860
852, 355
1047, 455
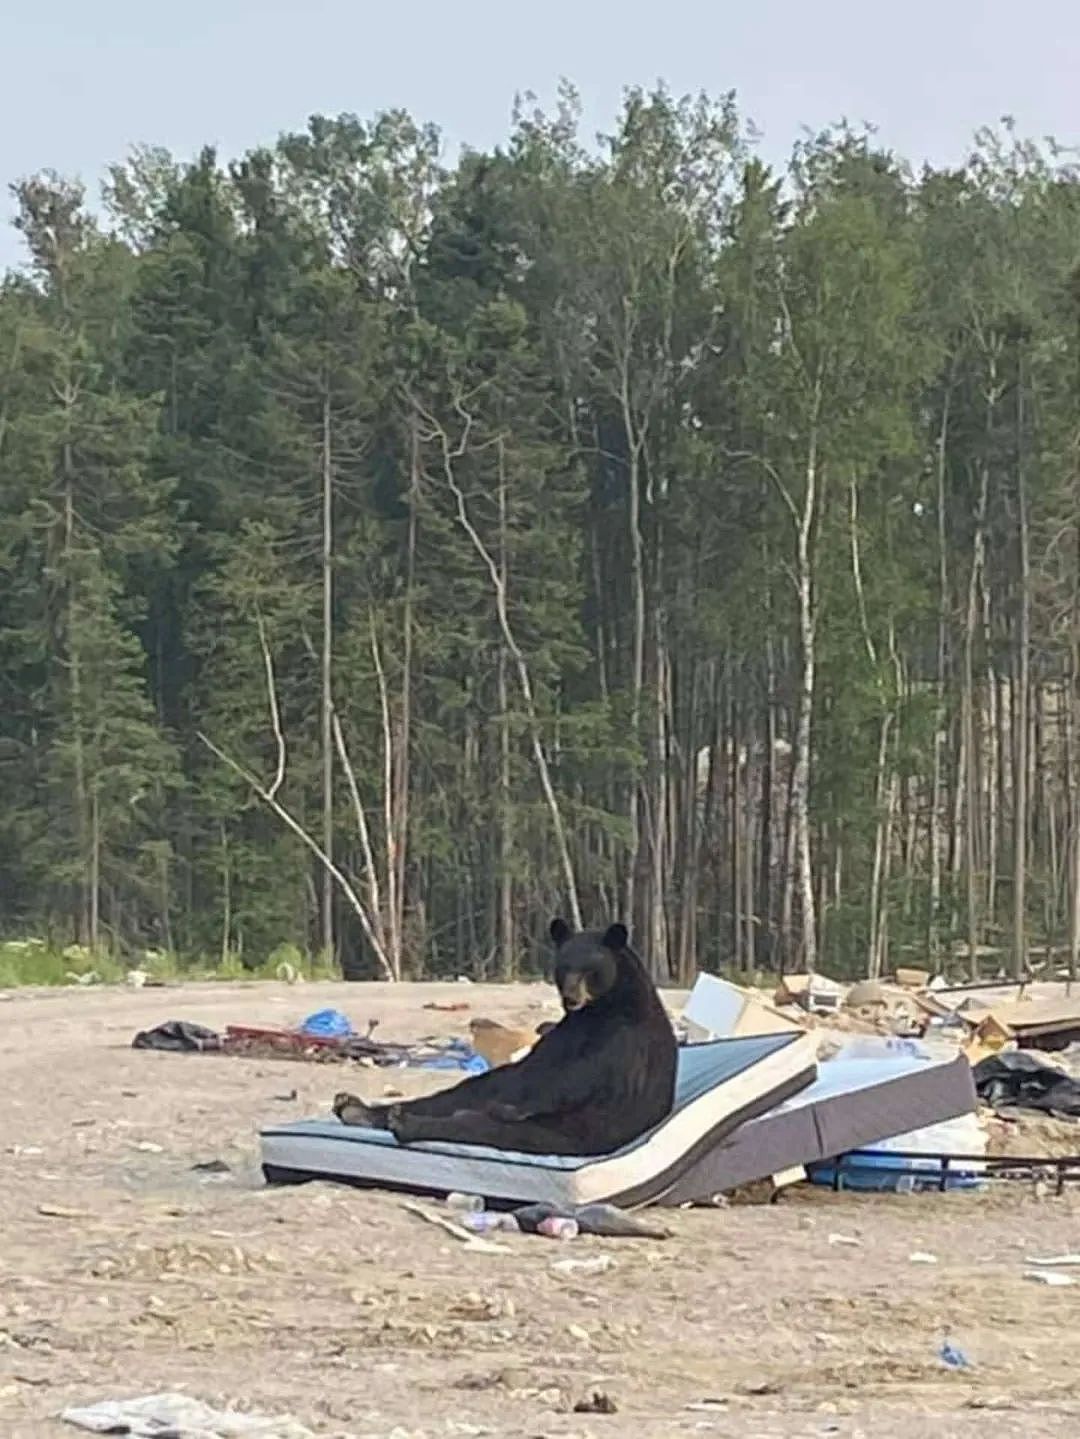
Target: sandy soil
347, 1312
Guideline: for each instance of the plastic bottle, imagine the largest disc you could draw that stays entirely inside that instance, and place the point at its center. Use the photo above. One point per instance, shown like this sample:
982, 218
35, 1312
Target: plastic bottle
465, 1203
556, 1228
485, 1222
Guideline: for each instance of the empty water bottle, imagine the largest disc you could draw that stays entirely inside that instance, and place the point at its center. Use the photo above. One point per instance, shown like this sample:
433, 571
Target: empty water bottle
465, 1203
556, 1228
906, 1184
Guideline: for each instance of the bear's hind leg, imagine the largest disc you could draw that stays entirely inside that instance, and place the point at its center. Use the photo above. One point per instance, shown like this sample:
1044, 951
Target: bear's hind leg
470, 1126
354, 1111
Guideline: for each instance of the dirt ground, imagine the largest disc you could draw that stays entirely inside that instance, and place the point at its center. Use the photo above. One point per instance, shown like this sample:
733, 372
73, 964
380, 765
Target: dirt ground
124, 1271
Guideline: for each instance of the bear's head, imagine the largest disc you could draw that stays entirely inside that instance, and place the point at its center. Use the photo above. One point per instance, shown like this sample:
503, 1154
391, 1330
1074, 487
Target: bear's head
586, 964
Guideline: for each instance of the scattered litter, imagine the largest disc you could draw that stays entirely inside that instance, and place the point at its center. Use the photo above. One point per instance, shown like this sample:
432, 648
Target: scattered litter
554, 1227
597, 1403
605, 1221
325, 1035
760, 1387
847, 1239
448, 1006
470, 1241
500, 1044
178, 1036
584, 1268
1051, 1277
952, 1357
706, 1406
464, 1203
211, 1166
327, 1024
285, 1098
919, 1256
1015, 1079
136, 978
146, 1146
484, 1221
90, 977
1057, 1261
579, 1332
812, 992
62, 1211
176, 1416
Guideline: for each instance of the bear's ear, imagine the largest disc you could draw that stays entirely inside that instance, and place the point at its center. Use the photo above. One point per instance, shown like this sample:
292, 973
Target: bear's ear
615, 937
560, 932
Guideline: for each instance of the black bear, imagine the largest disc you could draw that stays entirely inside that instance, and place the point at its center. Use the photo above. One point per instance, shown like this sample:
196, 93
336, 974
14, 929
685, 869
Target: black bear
598, 1079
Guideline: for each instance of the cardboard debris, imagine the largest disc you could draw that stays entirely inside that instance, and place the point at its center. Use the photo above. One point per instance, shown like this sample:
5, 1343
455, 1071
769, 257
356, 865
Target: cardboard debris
812, 992
1049, 1024
498, 1043
913, 978
716, 1009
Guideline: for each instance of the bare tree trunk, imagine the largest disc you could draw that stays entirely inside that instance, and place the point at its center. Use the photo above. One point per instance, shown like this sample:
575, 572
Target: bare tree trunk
1073, 765
95, 867
1023, 680
226, 897
327, 705
85, 924
637, 672
506, 939
909, 808
736, 770
881, 836
291, 823
936, 786
747, 836
403, 767
968, 780
993, 770
690, 827
892, 797
765, 883
788, 955
657, 804
392, 923
803, 733
449, 454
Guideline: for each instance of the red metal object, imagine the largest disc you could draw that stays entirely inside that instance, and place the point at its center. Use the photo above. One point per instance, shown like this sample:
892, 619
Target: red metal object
284, 1038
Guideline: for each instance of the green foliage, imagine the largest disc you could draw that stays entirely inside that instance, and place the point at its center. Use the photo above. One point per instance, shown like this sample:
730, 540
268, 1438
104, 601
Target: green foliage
508, 461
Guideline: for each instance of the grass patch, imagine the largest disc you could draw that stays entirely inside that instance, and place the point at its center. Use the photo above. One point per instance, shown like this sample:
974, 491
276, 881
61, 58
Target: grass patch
35, 962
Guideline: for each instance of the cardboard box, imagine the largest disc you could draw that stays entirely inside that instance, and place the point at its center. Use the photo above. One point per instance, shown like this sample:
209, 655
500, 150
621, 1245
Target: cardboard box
812, 991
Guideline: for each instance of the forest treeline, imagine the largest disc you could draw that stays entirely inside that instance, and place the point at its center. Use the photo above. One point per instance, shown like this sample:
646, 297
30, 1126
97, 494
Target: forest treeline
395, 553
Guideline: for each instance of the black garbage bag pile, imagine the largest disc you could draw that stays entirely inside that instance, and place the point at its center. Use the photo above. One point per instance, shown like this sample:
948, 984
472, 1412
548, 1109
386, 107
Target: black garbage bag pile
1014, 1079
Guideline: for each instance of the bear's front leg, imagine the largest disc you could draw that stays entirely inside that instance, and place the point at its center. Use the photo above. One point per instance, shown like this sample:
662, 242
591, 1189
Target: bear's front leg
507, 1113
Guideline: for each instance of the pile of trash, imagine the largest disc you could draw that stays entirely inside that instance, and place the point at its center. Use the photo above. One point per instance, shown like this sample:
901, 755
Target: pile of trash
328, 1036
1023, 1053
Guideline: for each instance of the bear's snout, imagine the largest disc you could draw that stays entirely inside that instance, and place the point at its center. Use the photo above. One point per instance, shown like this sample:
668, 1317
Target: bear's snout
574, 994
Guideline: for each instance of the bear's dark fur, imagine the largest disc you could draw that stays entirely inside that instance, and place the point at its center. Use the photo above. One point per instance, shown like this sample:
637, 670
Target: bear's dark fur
598, 1079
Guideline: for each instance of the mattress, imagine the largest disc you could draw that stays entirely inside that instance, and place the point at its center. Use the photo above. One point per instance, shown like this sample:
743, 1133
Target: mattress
853, 1103
719, 1086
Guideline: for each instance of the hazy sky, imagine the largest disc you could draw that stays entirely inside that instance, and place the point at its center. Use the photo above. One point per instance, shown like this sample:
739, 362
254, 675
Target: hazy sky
80, 82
